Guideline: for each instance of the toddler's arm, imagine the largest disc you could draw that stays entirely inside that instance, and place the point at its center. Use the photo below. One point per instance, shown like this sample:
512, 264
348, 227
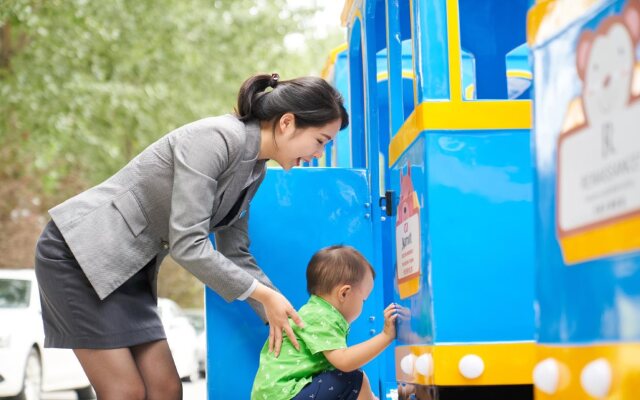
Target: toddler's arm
358, 355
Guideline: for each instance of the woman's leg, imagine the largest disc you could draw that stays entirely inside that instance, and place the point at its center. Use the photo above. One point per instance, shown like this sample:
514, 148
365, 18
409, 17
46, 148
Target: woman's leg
158, 370
113, 373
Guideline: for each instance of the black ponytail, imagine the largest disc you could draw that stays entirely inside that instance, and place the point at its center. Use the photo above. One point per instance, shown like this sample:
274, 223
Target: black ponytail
312, 100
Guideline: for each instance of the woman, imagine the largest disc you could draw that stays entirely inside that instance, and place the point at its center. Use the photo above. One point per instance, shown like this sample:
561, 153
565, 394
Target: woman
97, 260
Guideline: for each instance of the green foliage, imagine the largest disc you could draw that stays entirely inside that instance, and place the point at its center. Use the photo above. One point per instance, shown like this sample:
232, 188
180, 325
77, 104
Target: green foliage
87, 84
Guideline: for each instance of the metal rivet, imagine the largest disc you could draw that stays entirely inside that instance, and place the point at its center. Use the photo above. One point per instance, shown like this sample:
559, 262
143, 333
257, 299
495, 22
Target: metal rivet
367, 215
596, 378
471, 366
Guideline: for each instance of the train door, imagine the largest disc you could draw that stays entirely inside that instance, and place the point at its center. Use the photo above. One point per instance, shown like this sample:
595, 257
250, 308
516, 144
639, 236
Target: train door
293, 215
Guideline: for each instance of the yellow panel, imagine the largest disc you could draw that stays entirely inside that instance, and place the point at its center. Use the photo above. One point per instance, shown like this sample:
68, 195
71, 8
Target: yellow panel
504, 364
468, 92
618, 237
346, 10
463, 115
331, 60
623, 357
517, 73
383, 76
409, 288
455, 61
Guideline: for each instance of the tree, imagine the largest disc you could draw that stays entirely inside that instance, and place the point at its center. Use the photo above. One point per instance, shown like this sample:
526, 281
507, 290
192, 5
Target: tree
87, 84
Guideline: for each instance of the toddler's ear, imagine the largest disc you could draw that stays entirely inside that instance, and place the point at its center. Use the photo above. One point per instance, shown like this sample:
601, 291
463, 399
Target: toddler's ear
344, 291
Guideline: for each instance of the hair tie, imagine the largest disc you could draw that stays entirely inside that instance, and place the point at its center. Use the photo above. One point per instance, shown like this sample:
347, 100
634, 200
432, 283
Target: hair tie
273, 81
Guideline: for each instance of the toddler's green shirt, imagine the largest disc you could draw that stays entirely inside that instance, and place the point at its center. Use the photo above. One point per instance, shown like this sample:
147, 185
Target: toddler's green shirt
283, 377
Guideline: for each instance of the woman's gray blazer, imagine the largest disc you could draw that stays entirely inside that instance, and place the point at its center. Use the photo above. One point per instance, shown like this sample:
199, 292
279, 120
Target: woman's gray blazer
167, 200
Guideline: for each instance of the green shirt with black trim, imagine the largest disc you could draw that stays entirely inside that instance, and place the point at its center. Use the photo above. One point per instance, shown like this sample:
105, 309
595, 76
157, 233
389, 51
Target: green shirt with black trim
283, 377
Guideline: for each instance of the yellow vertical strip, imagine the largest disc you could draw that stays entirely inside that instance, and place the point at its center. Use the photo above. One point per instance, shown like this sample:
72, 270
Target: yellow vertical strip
455, 68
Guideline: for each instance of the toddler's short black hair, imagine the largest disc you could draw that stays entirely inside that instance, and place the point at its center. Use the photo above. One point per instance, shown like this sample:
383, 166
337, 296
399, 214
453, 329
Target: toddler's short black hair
336, 265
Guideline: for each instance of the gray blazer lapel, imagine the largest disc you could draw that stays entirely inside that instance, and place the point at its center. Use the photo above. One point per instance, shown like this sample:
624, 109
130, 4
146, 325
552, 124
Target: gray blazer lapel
233, 190
240, 175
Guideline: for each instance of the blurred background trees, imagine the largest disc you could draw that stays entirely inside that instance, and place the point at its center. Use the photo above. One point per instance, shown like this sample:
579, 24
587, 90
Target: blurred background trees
87, 84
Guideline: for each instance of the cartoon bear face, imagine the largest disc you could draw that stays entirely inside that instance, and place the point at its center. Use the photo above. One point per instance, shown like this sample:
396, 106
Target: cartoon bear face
605, 61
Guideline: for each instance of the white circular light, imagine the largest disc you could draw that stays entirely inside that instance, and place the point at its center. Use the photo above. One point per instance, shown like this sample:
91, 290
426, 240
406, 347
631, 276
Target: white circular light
424, 365
407, 364
546, 375
596, 378
471, 366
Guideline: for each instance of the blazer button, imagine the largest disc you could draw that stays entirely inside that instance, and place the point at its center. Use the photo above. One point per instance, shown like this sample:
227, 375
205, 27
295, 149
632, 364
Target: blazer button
165, 244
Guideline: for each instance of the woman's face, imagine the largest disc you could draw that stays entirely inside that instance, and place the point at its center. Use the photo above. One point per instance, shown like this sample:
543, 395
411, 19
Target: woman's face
296, 145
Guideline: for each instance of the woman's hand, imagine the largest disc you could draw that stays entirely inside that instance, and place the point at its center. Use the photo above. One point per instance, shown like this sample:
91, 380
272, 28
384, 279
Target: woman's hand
278, 311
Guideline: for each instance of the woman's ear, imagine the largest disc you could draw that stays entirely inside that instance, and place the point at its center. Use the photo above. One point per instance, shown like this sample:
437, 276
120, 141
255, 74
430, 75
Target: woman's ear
343, 291
287, 123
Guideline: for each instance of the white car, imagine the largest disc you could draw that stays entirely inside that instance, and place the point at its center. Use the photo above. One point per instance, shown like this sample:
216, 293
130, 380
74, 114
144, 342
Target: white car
196, 317
26, 368
181, 337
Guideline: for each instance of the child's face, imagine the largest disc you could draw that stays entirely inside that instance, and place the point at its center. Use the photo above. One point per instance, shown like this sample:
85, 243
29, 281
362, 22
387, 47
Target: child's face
297, 145
354, 300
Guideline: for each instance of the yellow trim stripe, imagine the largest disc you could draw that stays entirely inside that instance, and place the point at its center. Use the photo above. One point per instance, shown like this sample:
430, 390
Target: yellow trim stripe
455, 67
331, 60
346, 10
624, 359
617, 237
383, 76
519, 73
461, 115
504, 363
468, 92
357, 14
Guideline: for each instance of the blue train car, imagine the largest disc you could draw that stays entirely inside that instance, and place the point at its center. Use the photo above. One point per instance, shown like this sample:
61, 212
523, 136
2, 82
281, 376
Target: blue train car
587, 150
458, 183
514, 254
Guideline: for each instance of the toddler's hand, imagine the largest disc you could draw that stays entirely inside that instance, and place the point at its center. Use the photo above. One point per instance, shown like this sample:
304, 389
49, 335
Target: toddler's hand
390, 315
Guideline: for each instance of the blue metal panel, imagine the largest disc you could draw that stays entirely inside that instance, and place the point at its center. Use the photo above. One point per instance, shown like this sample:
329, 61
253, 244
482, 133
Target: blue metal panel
481, 224
342, 140
489, 29
394, 66
430, 51
356, 90
475, 191
293, 215
594, 300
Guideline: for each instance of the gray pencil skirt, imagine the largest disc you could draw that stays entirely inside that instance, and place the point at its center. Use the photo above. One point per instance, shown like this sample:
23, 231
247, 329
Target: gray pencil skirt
73, 314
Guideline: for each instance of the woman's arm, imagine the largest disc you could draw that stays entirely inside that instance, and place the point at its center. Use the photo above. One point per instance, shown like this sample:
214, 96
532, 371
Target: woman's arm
357, 356
278, 310
233, 242
201, 155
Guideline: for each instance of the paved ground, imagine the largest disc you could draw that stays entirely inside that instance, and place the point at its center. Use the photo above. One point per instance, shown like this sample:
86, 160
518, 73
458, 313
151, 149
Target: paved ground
192, 391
